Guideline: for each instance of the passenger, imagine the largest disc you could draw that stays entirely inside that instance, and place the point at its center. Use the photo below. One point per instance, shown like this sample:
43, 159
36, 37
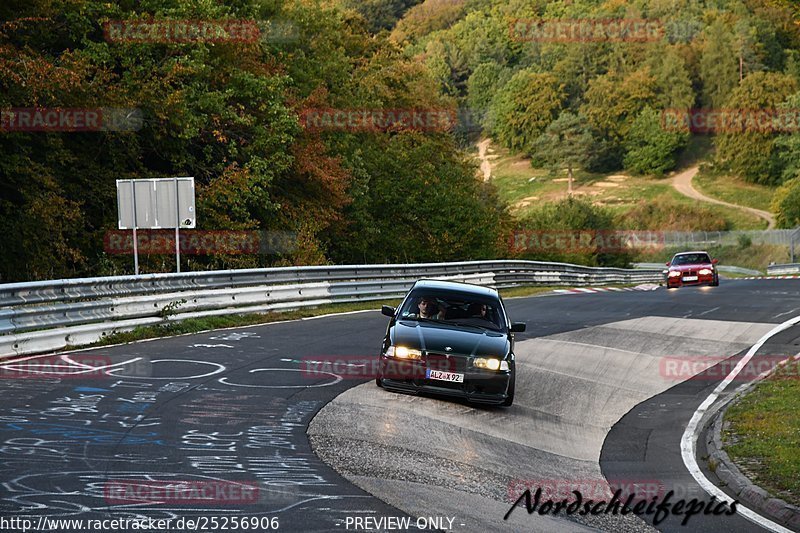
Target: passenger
477, 310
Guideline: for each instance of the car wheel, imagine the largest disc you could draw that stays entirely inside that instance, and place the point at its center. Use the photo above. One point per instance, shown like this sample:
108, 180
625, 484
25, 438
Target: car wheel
715, 283
510, 399
378, 381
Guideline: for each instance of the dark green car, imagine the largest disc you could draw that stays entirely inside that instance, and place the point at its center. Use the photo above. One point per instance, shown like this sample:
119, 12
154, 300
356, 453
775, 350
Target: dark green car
452, 339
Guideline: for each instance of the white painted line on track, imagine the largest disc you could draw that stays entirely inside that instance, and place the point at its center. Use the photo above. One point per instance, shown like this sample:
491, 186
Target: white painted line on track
688, 438
786, 313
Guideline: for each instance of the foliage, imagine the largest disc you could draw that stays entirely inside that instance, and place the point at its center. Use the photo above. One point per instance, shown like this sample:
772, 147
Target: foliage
481, 85
750, 153
427, 17
380, 14
671, 215
651, 149
567, 143
418, 201
227, 114
718, 66
524, 107
613, 102
566, 221
786, 204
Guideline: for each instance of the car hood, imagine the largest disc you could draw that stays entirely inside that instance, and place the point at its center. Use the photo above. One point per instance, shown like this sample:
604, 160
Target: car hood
435, 337
698, 266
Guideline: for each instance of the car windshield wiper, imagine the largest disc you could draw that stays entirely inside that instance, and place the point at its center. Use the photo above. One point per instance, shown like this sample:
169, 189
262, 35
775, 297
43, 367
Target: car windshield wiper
419, 318
464, 324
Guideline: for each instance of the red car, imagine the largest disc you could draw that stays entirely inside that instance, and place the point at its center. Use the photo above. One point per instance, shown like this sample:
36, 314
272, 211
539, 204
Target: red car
692, 268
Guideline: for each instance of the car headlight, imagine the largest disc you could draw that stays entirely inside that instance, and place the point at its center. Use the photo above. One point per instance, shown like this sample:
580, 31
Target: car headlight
705, 272
674, 274
401, 352
490, 363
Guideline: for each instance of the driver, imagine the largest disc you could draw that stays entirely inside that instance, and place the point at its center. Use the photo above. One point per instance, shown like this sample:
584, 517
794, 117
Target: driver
430, 308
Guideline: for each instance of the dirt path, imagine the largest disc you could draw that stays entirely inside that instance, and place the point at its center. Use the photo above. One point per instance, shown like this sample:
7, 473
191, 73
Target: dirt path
486, 166
683, 184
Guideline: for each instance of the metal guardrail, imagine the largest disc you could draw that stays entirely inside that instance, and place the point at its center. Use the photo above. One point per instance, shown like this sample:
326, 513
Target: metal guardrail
43, 316
789, 268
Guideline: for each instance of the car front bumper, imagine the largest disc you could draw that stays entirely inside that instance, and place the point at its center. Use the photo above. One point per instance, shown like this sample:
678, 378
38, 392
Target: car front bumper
481, 386
678, 281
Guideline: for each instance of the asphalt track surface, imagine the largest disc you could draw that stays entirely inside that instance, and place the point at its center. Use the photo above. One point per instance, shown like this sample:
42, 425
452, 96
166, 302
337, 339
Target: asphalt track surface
232, 416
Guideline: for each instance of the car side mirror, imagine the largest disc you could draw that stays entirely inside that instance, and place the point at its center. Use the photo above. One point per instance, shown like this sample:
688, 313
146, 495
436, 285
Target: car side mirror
387, 310
714, 261
518, 327
667, 263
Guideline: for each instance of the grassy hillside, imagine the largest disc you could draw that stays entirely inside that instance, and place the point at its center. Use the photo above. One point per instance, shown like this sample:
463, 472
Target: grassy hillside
638, 202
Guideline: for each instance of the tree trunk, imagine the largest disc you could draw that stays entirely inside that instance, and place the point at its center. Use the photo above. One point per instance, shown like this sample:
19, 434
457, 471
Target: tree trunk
569, 180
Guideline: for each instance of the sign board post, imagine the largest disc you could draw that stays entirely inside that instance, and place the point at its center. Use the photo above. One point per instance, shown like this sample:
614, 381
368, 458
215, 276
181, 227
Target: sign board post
156, 204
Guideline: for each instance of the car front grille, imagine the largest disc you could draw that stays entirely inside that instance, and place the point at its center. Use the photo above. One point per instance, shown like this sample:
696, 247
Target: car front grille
452, 363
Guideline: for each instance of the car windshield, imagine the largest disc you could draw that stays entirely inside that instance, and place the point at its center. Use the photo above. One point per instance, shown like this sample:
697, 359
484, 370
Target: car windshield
453, 308
690, 259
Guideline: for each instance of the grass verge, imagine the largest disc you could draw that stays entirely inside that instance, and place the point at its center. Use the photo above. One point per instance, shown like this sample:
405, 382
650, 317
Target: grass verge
763, 437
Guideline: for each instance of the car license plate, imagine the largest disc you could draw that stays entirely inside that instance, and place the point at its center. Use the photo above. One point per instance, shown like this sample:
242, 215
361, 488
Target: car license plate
689, 278
444, 376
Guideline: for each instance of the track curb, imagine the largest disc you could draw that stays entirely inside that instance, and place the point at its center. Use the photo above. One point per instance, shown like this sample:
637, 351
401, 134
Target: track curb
750, 494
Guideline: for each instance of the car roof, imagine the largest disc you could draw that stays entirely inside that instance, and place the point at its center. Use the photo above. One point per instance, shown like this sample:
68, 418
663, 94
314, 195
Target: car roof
694, 252
458, 286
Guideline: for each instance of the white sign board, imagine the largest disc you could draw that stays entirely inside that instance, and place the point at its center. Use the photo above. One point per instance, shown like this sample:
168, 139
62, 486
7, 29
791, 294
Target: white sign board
156, 203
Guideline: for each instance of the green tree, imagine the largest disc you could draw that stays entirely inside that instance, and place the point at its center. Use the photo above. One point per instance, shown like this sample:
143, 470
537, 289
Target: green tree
524, 107
482, 87
787, 144
673, 83
612, 103
415, 198
750, 153
786, 204
650, 149
566, 143
719, 69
